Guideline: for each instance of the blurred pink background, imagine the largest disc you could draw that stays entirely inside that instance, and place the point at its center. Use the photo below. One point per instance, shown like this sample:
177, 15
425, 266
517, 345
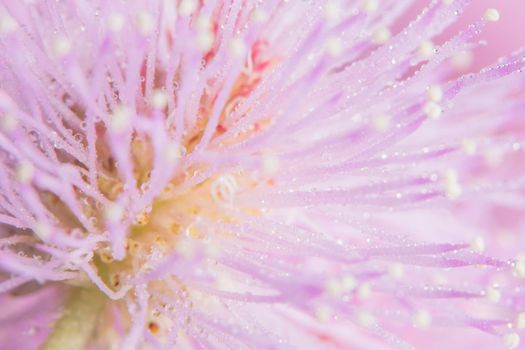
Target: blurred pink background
503, 37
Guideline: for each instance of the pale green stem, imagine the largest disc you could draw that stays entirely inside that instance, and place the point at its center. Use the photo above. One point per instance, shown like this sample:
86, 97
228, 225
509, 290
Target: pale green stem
78, 321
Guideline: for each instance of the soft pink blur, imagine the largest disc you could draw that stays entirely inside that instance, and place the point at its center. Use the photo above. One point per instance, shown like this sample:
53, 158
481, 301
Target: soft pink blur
503, 37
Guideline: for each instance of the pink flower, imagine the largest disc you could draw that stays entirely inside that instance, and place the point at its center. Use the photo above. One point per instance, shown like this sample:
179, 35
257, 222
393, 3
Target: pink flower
257, 175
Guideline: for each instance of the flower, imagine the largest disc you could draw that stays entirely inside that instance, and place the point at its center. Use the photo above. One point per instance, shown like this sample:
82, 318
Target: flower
249, 174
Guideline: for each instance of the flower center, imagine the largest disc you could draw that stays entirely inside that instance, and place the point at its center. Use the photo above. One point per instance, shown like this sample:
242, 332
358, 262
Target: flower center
191, 197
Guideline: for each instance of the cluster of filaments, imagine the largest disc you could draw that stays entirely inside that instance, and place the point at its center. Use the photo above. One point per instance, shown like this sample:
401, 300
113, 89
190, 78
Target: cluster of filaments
209, 157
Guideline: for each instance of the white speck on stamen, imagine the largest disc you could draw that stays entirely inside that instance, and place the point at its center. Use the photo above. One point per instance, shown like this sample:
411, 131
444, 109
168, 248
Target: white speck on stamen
119, 120
462, 60
520, 320
432, 110
364, 291
333, 287
333, 46
8, 122
348, 283
114, 213
439, 279
42, 230
24, 171
203, 23
381, 36
270, 164
469, 146
259, 15
381, 122
365, 319
493, 294
396, 270
511, 340
338, 286
213, 250
173, 152
478, 244
187, 7
205, 36
7, 25
435, 93
237, 47
422, 319
61, 46
492, 15
116, 22
426, 49
205, 40
519, 267
158, 99
369, 6
332, 12
451, 182
493, 157
323, 314
145, 23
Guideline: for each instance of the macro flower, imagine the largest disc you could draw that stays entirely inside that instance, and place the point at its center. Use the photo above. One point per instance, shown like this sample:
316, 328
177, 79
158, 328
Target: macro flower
247, 174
